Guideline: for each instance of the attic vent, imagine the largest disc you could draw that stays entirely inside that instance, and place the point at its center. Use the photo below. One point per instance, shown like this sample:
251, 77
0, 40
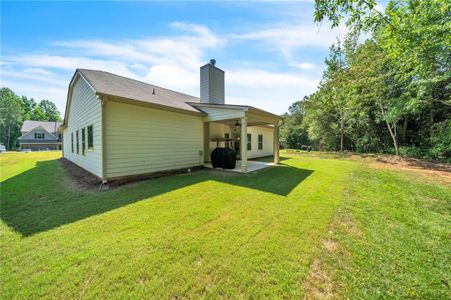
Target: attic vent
213, 62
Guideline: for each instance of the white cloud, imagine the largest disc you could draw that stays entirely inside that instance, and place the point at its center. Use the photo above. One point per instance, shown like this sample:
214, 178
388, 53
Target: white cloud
288, 37
38, 71
262, 78
175, 78
268, 90
173, 62
39, 91
204, 37
69, 63
31, 74
306, 66
185, 49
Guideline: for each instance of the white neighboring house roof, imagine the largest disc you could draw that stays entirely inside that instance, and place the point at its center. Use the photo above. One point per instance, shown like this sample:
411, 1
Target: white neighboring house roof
50, 127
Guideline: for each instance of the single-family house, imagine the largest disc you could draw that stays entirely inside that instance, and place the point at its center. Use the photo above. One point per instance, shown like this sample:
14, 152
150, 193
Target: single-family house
116, 127
40, 135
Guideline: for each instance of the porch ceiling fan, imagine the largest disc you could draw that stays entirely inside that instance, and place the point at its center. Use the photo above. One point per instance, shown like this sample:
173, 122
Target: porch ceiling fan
237, 124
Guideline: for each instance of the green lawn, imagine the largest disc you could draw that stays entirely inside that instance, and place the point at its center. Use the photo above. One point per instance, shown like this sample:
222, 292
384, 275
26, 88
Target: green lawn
315, 227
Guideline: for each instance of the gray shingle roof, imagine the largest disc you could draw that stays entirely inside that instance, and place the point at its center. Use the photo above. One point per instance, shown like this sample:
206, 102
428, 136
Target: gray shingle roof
29, 125
119, 86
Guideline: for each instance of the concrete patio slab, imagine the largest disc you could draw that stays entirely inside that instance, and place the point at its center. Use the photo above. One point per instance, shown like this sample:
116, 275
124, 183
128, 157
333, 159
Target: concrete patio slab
252, 166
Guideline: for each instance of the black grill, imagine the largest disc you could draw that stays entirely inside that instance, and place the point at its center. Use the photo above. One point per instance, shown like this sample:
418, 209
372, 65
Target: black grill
223, 158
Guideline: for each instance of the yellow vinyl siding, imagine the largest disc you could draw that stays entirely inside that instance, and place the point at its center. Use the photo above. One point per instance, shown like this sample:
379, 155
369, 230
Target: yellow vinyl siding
142, 140
85, 109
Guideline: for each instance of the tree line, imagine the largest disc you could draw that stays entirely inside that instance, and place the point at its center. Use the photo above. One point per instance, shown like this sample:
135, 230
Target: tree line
15, 109
390, 93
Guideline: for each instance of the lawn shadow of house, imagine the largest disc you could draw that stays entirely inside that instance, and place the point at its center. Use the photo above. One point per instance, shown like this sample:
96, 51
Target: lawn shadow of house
40, 199
280, 180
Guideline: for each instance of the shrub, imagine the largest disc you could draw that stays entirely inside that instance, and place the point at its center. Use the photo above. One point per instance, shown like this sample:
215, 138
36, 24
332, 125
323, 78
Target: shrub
412, 151
441, 141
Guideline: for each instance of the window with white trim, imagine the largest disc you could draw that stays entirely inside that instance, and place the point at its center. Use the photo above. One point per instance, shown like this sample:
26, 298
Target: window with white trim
260, 142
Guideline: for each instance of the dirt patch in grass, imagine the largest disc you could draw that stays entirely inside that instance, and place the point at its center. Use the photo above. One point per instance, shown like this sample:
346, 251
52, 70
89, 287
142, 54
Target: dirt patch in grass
79, 178
317, 285
320, 282
349, 226
330, 245
440, 171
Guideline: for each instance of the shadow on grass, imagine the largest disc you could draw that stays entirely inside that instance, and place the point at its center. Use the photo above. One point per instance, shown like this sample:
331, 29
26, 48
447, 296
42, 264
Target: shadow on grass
41, 198
269, 158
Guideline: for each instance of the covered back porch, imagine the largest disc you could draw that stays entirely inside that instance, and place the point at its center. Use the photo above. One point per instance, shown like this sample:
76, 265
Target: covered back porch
249, 131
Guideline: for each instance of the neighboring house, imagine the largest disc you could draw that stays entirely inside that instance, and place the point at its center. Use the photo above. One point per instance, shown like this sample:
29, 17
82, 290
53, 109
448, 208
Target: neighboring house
116, 127
40, 135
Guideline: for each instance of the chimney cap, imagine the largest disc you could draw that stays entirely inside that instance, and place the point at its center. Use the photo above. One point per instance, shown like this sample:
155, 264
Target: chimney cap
213, 61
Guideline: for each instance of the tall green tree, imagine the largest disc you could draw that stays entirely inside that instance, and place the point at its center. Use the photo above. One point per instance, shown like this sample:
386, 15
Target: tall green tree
329, 112
293, 130
28, 105
400, 77
10, 118
38, 114
49, 110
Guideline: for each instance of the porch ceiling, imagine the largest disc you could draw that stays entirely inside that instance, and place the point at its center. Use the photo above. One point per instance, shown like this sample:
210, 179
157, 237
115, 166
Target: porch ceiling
253, 119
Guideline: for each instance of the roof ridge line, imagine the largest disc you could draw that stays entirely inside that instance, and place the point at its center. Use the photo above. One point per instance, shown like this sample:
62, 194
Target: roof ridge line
140, 81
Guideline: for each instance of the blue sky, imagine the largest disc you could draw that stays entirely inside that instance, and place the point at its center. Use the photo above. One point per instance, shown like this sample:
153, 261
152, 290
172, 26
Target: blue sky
272, 52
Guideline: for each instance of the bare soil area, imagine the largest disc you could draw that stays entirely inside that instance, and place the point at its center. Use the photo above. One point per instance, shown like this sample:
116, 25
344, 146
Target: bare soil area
440, 171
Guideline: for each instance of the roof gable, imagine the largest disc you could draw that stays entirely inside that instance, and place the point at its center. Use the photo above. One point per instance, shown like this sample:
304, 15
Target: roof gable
29, 134
29, 125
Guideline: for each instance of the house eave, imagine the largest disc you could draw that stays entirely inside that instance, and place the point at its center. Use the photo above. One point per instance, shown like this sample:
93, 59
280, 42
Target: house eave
214, 105
39, 142
77, 75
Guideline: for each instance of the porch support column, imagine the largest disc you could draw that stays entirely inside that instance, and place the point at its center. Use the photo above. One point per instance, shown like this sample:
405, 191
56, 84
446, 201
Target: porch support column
276, 144
243, 144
